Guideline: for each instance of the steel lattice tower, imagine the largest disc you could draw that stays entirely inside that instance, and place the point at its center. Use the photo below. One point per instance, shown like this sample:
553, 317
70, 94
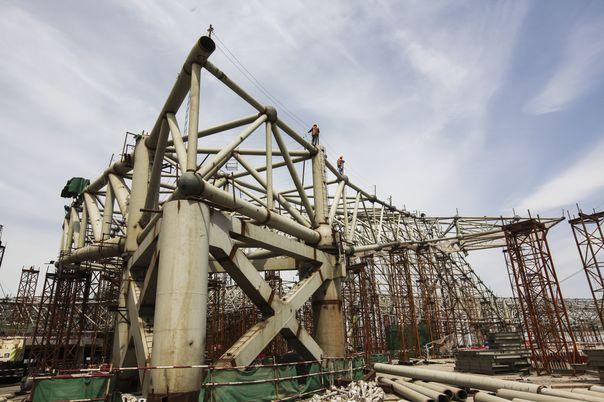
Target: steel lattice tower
546, 320
587, 230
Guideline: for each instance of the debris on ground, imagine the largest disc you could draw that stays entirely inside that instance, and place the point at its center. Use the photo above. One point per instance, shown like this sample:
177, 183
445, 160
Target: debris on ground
358, 391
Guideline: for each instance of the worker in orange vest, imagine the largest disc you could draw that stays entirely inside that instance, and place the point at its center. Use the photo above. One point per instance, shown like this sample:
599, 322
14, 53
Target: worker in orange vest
314, 132
341, 162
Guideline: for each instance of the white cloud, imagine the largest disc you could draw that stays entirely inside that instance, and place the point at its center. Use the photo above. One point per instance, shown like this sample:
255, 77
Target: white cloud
579, 72
574, 183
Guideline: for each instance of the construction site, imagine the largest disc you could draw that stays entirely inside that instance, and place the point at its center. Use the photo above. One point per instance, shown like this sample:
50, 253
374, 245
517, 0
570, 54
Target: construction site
257, 270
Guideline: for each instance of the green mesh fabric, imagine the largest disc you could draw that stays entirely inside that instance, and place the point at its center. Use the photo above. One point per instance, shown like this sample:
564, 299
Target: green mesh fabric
240, 384
65, 389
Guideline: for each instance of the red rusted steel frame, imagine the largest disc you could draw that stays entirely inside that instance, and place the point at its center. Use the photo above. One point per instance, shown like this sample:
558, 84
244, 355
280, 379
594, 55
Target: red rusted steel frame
22, 311
38, 354
401, 289
428, 291
589, 237
545, 317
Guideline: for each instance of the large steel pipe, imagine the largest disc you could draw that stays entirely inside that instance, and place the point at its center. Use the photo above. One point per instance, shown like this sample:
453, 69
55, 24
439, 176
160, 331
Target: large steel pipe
512, 394
485, 397
328, 318
455, 392
119, 168
199, 54
192, 185
587, 392
109, 248
437, 396
216, 72
464, 380
405, 392
597, 388
181, 298
571, 395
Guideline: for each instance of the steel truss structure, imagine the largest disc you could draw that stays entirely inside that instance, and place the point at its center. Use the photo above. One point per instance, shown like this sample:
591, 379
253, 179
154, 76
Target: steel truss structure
589, 236
197, 240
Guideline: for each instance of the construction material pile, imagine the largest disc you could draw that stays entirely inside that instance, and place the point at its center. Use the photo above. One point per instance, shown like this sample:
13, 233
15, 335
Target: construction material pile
424, 385
595, 360
358, 391
506, 354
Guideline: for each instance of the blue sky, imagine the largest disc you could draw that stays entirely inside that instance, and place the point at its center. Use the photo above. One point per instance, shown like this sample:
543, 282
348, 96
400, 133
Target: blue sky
481, 106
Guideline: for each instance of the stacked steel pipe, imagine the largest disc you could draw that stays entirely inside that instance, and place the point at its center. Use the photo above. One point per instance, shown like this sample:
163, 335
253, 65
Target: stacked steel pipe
418, 384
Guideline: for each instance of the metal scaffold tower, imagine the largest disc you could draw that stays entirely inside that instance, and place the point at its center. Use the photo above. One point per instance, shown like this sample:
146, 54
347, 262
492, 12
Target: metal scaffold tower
58, 333
546, 323
23, 317
589, 236
278, 251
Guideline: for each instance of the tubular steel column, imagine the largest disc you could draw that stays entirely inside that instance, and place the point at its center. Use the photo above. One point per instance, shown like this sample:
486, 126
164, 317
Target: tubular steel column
328, 318
181, 300
589, 237
545, 317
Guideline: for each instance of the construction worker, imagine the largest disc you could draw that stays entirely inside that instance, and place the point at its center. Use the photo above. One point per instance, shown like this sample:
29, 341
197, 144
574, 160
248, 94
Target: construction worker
341, 162
314, 132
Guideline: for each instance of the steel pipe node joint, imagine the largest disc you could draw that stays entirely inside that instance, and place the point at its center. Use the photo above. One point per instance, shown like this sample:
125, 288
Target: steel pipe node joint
271, 113
190, 184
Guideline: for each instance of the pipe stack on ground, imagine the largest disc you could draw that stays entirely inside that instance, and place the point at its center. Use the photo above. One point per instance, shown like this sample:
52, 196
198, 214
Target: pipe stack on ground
403, 391
597, 388
442, 386
458, 394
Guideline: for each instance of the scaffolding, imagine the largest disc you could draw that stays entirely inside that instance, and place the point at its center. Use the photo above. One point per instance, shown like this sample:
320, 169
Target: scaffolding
23, 313
74, 324
546, 323
589, 236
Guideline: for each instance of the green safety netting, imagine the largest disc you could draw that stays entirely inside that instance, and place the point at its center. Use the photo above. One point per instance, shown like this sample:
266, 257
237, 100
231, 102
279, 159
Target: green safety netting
64, 389
258, 384
358, 364
378, 358
241, 385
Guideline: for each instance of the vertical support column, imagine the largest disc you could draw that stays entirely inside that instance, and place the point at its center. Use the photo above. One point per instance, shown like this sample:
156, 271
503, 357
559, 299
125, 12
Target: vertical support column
181, 300
73, 228
122, 327
193, 117
138, 193
108, 212
320, 196
82, 230
328, 319
269, 168
65, 236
